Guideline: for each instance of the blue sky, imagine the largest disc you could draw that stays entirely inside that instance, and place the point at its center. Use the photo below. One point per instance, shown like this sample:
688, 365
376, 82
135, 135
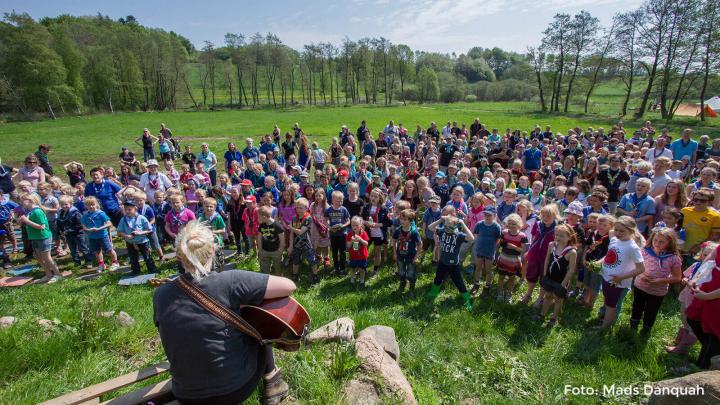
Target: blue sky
439, 25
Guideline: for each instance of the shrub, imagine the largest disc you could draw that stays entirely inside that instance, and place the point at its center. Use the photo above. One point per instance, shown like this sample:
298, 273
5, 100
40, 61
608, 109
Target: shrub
471, 98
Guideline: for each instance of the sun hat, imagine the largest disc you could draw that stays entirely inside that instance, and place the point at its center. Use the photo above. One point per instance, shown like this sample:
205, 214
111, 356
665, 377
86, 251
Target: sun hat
575, 207
152, 162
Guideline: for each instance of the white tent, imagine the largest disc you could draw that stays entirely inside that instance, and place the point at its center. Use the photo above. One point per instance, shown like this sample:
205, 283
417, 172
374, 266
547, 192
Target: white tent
713, 103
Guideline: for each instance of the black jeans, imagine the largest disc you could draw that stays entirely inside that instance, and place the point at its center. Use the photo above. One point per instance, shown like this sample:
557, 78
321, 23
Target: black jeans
337, 245
238, 229
645, 306
710, 344
265, 365
136, 249
453, 270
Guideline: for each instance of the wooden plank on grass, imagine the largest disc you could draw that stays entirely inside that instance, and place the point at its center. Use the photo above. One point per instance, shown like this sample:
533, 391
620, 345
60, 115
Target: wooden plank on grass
143, 395
96, 390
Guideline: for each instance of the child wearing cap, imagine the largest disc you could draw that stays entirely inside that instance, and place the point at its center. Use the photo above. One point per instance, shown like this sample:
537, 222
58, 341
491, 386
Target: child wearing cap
134, 229
300, 243
487, 235
342, 183
441, 189
251, 222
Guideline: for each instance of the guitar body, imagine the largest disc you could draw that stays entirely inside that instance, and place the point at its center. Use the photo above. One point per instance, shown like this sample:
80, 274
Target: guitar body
282, 320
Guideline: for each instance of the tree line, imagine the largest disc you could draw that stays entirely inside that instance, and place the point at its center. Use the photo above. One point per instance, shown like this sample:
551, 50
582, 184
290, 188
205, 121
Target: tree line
661, 54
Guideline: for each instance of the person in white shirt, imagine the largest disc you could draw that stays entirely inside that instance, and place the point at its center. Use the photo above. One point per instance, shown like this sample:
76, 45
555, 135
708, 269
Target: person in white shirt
152, 180
658, 151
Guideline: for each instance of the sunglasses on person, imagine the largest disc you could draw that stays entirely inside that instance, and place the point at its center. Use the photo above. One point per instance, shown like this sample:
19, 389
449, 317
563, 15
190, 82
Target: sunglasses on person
699, 200
32, 162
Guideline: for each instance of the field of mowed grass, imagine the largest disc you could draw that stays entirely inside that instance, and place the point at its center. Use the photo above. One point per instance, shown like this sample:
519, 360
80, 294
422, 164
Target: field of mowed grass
98, 138
493, 354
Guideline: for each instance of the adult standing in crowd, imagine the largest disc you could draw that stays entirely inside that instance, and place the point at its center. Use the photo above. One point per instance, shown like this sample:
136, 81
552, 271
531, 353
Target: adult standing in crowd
232, 155
32, 172
147, 142
43, 160
685, 146
106, 192
152, 181
209, 160
658, 151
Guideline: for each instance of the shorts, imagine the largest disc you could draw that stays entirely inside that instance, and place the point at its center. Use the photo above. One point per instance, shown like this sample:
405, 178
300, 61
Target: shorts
358, 263
377, 241
104, 244
612, 294
483, 255
592, 280
41, 245
306, 252
553, 287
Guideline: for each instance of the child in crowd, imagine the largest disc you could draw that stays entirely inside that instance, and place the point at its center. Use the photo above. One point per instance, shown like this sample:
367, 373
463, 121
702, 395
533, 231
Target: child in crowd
300, 243
69, 227
622, 262
236, 209
377, 221
508, 205
513, 246
319, 230
7, 207
251, 222
639, 205
50, 204
432, 214
357, 244
406, 245
559, 266
96, 224
134, 229
662, 267
272, 243
487, 234
338, 220
39, 235
542, 234
177, 217
148, 212
210, 217
451, 233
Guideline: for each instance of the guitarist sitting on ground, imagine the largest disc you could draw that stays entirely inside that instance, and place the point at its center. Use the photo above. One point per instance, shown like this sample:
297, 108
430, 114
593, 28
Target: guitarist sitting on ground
210, 361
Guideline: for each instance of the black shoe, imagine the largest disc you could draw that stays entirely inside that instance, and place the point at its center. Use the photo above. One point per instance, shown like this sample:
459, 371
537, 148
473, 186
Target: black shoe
475, 288
295, 278
412, 285
403, 282
315, 279
343, 272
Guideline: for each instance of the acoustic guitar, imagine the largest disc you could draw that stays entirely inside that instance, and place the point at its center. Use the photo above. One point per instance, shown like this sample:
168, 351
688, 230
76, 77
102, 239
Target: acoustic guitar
281, 320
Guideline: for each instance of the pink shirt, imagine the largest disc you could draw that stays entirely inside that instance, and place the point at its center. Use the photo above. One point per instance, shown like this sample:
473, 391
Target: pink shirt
657, 268
177, 220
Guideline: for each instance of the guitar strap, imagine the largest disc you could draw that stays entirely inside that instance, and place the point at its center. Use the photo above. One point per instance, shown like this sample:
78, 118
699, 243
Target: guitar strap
228, 316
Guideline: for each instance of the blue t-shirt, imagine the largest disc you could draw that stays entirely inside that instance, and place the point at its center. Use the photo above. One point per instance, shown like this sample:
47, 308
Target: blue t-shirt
251, 153
267, 147
504, 209
337, 217
6, 209
468, 189
95, 220
643, 206
486, 238
407, 243
680, 149
105, 193
533, 158
147, 212
450, 243
232, 157
139, 223
429, 217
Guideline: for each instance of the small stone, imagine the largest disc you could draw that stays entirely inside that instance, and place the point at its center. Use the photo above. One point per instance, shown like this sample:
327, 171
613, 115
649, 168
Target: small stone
374, 359
7, 321
124, 319
686, 389
108, 314
385, 335
715, 363
342, 329
48, 324
357, 392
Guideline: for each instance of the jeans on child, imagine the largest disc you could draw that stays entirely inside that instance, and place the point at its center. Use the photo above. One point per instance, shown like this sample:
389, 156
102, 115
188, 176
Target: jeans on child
407, 269
453, 270
136, 249
78, 246
337, 246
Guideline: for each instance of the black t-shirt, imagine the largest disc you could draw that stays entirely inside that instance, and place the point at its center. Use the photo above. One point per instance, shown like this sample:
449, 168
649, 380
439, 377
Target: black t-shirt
270, 236
354, 208
208, 356
446, 153
127, 158
611, 181
382, 147
147, 142
289, 148
6, 183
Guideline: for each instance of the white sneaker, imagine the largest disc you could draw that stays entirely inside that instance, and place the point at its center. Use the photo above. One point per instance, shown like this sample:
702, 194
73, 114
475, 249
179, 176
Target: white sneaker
114, 266
54, 279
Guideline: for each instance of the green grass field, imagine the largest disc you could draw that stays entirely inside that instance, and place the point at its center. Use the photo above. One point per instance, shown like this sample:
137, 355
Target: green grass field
495, 354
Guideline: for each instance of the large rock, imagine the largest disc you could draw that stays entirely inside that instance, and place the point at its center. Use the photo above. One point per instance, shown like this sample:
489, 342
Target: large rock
697, 389
342, 329
374, 359
360, 392
124, 319
7, 321
385, 335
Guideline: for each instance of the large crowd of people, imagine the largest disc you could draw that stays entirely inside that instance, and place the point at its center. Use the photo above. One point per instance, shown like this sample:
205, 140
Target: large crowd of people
570, 214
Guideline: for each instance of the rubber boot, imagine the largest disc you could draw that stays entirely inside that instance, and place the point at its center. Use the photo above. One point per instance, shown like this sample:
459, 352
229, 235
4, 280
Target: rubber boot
434, 291
687, 340
466, 300
634, 323
275, 390
403, 282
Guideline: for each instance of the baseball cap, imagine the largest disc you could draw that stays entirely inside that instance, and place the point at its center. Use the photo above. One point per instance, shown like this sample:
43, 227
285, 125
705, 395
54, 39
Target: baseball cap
490, 210
298, 168
434, 199
130, 203
246, 182
343, 173
304, 174
440, 175
250, 198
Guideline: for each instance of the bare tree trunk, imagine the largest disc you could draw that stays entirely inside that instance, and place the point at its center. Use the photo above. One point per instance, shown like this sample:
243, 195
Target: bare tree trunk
540, 89
187, 86
50, 110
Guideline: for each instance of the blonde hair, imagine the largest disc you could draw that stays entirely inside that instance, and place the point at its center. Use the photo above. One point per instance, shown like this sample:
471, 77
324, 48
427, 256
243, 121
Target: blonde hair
91, 201
196, 249
32, 197
513, 219
551, 209
630, 224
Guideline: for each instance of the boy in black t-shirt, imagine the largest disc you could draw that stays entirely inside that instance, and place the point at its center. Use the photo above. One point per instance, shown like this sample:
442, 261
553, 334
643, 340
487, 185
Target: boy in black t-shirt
271, 243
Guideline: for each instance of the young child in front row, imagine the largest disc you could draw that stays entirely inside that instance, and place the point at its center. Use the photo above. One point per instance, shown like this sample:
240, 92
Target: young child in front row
596, 244
357, 241
272, 243
663, 266
39, 235
560, 264
134, 229
69, 227
300, 244
406, 246
513, 245
96, 224
177, 217
487, 234
451, 233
